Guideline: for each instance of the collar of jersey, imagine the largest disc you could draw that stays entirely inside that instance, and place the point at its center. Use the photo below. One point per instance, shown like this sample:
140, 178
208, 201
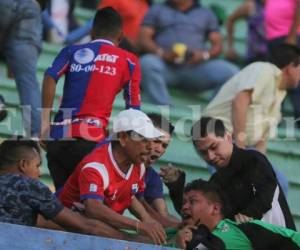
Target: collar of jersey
103, 41
120, 172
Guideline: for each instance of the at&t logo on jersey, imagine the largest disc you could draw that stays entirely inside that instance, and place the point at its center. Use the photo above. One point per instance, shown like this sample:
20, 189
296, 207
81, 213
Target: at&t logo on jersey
87, 56
84, 56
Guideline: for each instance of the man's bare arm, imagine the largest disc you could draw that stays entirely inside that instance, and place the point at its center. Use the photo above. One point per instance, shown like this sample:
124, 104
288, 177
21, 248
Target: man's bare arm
48, 93
97, 210
240, 105
292, 36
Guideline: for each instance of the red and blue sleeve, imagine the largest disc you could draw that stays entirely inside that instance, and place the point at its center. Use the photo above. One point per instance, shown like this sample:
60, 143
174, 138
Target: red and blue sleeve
60, 64
132, 88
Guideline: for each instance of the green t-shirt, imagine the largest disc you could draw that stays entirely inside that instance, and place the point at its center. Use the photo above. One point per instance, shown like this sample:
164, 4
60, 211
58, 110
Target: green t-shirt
232, 236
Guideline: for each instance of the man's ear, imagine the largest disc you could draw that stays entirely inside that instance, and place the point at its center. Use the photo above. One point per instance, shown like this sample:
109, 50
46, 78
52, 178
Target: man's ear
228, 137
122, 136
120, 37
216, 208
22, 165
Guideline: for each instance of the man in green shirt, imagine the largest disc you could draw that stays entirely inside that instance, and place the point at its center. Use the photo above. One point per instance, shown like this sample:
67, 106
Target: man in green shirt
205, 227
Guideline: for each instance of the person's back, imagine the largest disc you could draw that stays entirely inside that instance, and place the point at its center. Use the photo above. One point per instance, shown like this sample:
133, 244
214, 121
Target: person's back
94, 74
262, 78
23, 198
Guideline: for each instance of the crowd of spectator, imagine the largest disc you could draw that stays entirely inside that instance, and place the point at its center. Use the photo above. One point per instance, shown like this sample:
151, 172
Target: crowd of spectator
141, 49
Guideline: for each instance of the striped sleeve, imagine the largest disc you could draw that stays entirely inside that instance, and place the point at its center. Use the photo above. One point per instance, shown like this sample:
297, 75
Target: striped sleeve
132, 88
60, 64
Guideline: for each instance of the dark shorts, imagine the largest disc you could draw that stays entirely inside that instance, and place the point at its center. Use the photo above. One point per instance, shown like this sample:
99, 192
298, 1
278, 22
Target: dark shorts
63, 156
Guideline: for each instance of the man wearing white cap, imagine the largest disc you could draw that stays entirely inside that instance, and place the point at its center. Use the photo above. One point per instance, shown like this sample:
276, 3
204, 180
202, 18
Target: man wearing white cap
107, 180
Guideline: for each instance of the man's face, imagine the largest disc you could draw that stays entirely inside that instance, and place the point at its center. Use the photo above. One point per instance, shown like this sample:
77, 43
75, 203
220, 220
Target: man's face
31, 166
215, 150
197, 208
158, 147
137, 147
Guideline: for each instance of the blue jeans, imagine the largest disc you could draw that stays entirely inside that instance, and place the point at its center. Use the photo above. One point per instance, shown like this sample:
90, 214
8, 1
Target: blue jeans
157, 75
20, 38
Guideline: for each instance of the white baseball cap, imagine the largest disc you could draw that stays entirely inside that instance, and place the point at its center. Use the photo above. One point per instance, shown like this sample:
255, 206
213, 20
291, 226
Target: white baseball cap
135, 120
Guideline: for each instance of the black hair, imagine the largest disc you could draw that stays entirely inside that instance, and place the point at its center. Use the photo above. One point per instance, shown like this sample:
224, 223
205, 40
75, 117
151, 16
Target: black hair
284, 54
211, 191
16, 149
107, 23
206, 125
161, 122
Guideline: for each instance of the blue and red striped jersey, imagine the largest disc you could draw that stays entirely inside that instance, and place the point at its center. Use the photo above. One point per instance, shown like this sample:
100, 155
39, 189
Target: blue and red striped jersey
94, 74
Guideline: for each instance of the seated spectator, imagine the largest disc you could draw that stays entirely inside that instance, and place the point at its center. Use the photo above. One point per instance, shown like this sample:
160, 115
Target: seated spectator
206, 227
253, 12
245, 177
173, 37
107, 180
23, 197
153, 197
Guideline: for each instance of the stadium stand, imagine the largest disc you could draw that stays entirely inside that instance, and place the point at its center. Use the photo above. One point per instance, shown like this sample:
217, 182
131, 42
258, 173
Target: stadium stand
284, 152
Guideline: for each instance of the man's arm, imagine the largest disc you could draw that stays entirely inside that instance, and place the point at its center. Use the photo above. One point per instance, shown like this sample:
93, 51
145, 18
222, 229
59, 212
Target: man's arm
59, 67
165, 220
147, 44
132, 94
242, 11
216, 41
240, 105
77, 223
48, 93
174, 179
292, 36
198, 55
97, 210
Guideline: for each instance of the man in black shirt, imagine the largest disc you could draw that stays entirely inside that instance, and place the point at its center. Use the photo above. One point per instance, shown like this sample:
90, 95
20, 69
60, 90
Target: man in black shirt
245, 177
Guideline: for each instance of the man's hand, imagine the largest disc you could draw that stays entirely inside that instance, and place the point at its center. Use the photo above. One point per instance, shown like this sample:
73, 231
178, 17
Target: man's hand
154, 230
196, 57
169, 173
241, 218
184, 235
169, 56
45, 128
